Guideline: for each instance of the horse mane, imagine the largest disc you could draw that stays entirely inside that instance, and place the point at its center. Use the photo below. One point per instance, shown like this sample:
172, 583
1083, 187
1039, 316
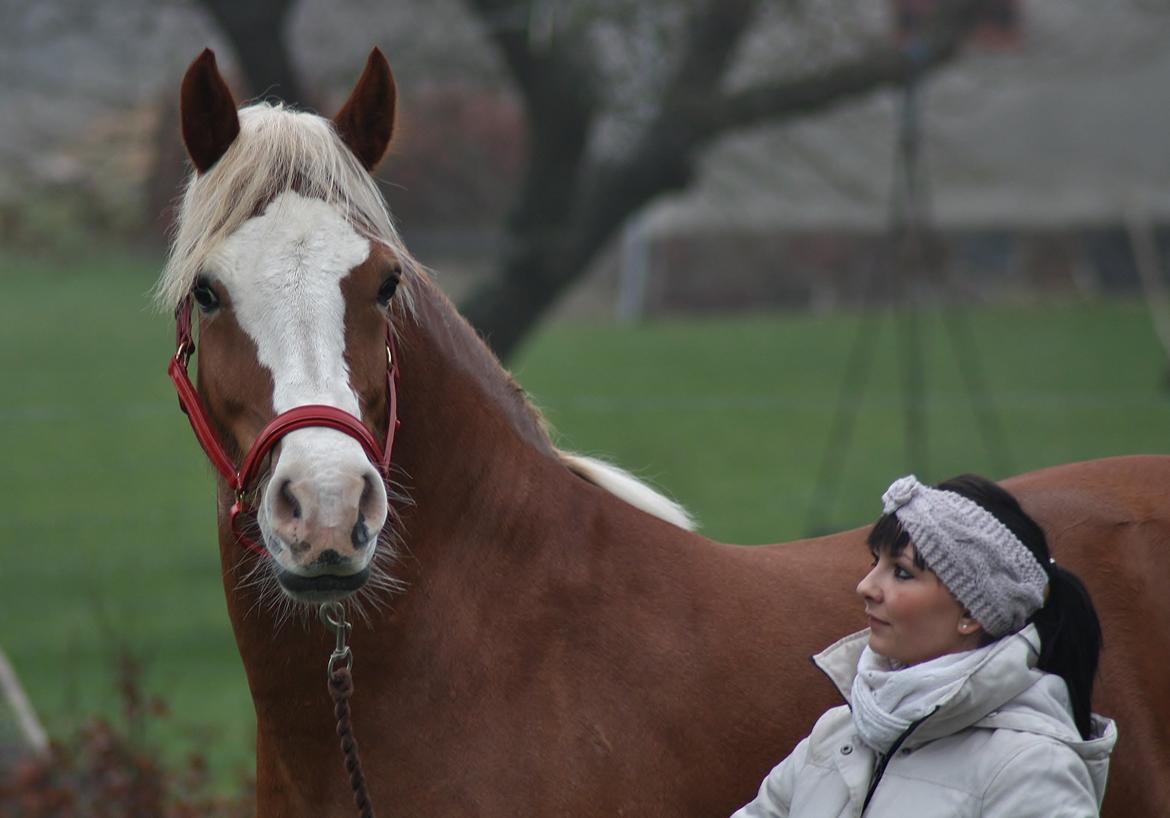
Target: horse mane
278, 149
624, 485
527, 416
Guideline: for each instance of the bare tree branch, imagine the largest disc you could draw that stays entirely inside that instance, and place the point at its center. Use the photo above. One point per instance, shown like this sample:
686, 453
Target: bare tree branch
572, 204
564, 212
792, 96
542, 67
714, 30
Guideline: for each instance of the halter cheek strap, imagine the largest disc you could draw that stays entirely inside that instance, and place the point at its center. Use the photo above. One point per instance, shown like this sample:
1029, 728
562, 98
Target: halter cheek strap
240, 479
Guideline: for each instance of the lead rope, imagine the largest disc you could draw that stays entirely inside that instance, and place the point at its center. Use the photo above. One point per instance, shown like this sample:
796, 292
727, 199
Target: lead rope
340, 688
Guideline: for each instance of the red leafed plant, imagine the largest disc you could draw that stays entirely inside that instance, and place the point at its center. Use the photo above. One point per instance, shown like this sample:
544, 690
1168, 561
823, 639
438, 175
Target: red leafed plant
107, 770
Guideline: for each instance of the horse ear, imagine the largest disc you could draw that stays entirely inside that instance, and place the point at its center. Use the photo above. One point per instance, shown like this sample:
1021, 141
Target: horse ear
366, 120
208, 112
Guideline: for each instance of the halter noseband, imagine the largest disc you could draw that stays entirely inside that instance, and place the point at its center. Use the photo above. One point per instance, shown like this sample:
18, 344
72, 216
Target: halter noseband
240, 479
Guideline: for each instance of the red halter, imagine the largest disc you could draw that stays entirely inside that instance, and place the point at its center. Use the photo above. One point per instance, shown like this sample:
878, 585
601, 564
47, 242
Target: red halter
311, 415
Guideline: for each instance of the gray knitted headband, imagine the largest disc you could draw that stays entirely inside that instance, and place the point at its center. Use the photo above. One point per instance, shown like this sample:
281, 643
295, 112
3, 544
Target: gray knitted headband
983, 564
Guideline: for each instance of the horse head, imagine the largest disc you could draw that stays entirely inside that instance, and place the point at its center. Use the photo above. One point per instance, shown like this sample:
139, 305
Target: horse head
285, 254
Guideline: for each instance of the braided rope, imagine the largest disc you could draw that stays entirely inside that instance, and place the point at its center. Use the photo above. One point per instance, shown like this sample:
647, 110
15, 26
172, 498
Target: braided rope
340, 688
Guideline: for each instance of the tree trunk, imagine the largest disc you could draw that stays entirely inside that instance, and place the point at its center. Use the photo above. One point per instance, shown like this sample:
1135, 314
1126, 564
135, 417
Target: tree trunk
543, 258
568, 210
257, 30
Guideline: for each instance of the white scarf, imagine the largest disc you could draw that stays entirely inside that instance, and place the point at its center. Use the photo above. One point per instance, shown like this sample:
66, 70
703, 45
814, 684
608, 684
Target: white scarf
887, 697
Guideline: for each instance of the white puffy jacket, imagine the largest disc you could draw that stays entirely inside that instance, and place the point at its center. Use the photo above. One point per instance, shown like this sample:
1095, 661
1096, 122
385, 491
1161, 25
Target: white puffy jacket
1003, 746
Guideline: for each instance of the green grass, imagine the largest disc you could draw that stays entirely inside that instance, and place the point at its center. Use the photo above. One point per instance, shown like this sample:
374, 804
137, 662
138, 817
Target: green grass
734, 417
107, 533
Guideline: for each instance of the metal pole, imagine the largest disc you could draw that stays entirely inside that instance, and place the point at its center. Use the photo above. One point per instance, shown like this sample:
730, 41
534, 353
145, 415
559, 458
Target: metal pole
26, 718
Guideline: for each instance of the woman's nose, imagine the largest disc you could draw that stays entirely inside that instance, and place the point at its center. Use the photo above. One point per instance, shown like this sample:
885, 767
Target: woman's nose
868, 587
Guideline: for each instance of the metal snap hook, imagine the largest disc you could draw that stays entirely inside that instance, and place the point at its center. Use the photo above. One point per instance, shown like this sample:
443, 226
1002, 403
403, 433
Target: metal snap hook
332, 614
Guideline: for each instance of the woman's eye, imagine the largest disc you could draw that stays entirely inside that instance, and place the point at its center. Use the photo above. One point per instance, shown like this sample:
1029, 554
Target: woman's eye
902, 573
386, 291
204, 295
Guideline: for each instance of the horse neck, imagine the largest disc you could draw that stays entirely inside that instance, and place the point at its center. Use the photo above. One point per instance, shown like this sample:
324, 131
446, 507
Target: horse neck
468, 434
506, 555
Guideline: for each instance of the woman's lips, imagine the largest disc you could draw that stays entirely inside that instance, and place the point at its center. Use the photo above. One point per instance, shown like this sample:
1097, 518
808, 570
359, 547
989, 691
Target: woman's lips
873, 620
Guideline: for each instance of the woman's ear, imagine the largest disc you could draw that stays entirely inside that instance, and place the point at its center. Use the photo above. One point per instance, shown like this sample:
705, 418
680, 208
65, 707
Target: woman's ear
968, 625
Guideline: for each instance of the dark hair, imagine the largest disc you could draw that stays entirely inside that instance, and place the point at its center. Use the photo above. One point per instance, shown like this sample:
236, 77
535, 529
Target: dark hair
1070, 633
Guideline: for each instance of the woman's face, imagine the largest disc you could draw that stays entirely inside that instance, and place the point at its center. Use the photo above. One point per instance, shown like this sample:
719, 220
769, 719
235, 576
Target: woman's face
912, 616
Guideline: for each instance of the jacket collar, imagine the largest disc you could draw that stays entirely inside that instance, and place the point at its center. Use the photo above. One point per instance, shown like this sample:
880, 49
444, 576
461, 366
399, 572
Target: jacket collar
1006, 691
1008, 669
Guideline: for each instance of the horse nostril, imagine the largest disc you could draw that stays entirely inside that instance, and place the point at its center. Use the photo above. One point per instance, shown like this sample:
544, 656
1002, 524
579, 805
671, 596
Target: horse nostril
372, 504
291, 505
360, 536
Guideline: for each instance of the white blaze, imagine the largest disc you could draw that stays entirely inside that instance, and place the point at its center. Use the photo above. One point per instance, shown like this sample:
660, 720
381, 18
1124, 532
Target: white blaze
283, 270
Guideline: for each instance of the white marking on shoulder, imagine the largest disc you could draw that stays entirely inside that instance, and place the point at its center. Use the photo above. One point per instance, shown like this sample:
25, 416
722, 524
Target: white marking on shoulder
625, 486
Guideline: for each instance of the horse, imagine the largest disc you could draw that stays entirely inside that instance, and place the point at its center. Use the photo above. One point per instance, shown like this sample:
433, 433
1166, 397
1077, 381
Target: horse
534, 632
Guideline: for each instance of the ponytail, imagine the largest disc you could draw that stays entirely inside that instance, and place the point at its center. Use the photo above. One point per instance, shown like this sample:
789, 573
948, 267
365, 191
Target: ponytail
1070, 633
1070, 641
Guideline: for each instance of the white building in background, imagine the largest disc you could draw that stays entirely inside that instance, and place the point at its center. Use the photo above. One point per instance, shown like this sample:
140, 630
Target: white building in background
1039, 162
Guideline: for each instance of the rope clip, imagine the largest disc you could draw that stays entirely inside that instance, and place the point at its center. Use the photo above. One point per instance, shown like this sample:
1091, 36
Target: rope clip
333, 616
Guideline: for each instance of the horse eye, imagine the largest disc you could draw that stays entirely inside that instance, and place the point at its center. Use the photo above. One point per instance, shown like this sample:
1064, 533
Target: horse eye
204, 295
386, 291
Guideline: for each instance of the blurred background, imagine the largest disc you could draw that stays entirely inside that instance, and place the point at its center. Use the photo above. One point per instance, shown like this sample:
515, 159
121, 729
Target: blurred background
766, 254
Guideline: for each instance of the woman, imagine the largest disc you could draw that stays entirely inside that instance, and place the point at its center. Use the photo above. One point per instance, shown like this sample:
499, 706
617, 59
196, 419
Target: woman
969, 693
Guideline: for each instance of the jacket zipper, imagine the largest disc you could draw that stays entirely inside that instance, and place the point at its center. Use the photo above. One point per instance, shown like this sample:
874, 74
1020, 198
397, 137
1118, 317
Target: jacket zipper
884, 760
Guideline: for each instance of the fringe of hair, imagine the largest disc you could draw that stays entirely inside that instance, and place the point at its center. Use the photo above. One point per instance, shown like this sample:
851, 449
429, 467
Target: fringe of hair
278, 149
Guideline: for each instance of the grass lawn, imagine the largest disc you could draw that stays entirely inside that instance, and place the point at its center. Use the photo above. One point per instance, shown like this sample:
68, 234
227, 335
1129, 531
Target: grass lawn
107, 534
733, 417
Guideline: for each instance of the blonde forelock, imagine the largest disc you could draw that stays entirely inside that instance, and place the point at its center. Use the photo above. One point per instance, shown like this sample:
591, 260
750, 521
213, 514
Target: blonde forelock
278, 149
